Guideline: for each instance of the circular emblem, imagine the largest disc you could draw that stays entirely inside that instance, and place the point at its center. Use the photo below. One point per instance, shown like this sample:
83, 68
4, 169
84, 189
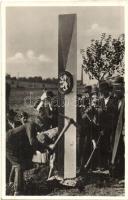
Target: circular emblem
65, 82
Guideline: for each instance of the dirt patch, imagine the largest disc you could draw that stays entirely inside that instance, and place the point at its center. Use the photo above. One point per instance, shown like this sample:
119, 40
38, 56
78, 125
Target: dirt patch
36, 184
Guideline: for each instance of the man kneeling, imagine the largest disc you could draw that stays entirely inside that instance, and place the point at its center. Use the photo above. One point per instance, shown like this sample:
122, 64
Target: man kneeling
21, 144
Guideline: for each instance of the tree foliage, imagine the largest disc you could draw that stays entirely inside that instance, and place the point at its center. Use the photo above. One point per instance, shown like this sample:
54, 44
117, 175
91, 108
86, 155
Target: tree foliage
104, 57
37, 79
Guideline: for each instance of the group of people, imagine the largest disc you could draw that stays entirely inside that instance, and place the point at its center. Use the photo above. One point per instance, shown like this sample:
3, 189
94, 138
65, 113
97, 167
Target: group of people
101, 127
100, 119
25, 136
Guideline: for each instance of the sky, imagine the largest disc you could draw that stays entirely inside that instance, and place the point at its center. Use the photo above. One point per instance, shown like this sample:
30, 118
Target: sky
32, 36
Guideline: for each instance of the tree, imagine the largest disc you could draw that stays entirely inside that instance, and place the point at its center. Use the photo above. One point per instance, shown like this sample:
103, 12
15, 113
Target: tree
104, 57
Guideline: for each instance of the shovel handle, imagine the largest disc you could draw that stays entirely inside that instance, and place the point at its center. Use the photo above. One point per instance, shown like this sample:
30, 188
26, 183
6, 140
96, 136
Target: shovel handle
88, 161
52, 147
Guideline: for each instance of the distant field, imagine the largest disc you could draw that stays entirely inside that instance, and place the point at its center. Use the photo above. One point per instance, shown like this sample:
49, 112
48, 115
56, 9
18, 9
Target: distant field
24, 99
21, 96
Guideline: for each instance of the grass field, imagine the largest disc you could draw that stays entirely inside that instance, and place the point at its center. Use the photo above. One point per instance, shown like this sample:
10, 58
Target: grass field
25, 96
24, 99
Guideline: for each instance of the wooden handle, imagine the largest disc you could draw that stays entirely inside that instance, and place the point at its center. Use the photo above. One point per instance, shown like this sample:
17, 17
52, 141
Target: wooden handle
52, 147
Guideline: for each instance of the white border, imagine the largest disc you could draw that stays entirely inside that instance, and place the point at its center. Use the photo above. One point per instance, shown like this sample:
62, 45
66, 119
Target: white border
64, 3
5, 4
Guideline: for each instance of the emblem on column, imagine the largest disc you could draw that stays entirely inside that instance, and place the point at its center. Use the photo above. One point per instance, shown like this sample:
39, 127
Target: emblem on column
65, 82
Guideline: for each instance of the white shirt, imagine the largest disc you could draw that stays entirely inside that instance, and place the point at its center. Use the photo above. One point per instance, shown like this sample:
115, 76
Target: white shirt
11, 124
119, 104
106, 100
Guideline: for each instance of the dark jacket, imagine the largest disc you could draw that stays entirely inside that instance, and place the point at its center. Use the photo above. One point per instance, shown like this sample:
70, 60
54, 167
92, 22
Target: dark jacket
21, 142
108, 114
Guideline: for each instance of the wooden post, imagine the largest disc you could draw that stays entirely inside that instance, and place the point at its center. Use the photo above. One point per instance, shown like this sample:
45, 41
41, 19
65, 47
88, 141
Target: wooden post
67, 61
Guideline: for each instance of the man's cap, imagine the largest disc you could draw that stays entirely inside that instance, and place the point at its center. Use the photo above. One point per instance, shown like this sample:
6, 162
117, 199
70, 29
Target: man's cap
95, 89
50, 94
104, 85
118, 80
79, 95
88, 89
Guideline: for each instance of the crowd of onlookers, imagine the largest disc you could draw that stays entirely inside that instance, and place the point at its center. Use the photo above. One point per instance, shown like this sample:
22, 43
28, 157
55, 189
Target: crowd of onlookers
102, 116
100, 119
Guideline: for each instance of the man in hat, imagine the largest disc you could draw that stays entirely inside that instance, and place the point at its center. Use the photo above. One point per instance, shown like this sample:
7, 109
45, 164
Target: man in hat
90, 127
87, 91
47, 111
107, 119
24, 117
118, 138
94, 96
118, 89
83, 126
11, 120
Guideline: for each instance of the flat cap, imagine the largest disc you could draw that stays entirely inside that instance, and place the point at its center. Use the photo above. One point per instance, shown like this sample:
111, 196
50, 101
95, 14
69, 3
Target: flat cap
88, 89
104, 85
118, 80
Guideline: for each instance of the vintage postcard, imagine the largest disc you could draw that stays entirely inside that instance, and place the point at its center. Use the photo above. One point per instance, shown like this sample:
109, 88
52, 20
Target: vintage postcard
63, 100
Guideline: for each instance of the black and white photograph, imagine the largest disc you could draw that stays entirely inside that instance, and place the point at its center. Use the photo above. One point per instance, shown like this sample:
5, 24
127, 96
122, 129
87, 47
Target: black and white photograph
65, 101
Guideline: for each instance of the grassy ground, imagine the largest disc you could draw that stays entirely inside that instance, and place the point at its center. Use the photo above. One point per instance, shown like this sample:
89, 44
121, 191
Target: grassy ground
90, 185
